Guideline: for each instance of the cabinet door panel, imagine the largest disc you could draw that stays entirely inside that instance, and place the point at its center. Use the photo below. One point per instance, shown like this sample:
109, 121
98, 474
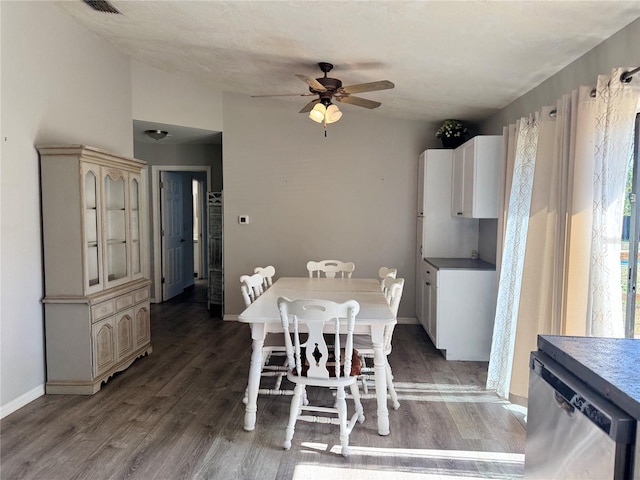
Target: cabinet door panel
422, 160
468, 179
457, 183
104, 348
124, 329
142, 324
475, 184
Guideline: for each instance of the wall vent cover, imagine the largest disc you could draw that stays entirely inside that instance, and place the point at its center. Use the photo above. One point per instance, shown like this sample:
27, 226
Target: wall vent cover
101, 6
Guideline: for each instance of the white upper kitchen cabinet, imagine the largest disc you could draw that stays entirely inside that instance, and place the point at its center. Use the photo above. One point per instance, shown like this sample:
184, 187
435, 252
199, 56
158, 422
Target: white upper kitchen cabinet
475, 177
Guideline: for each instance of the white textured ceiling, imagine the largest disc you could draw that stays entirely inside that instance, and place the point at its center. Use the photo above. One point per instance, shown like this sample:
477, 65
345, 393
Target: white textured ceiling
448, 59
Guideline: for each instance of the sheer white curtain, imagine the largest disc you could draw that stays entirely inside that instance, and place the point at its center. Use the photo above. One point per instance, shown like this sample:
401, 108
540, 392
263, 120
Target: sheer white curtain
522, 144
560, 251
614, 124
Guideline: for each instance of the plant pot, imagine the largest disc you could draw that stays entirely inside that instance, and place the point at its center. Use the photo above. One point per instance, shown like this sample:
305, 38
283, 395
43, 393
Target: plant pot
452, 142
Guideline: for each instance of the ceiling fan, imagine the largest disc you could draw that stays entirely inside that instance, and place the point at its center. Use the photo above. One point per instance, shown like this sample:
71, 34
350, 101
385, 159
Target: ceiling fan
322, 109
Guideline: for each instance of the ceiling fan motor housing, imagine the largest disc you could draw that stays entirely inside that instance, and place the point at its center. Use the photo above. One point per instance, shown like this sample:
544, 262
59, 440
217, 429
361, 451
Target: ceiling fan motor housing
331, 84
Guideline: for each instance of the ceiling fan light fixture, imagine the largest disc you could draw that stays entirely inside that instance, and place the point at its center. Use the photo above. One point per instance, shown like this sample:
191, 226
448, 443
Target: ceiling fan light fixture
333, 114
318, 113
156, 134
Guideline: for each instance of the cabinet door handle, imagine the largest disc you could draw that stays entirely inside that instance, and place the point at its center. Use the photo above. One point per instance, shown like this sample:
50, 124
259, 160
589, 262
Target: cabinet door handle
459, 213
427, 284
428, 272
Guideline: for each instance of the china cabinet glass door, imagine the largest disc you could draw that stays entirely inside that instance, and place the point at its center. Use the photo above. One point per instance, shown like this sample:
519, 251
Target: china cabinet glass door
134, 212
91, 230
115, 228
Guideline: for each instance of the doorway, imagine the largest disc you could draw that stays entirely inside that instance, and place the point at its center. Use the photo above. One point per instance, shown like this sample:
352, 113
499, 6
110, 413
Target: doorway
173, 263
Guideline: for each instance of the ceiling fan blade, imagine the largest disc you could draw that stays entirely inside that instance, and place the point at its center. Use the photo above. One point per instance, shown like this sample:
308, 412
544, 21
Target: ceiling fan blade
312, 82
284, 95
368, 87
309, 106
360, 102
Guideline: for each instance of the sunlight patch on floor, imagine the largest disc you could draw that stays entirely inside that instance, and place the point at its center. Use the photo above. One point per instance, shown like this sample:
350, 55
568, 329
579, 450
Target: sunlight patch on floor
440, 392
305, 472
358, 468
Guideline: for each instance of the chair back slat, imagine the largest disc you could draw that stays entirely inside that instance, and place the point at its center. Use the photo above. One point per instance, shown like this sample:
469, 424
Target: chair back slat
267, 274
330, 268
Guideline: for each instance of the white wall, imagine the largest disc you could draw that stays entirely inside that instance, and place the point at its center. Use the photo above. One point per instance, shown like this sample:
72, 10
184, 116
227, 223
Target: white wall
60, 84
350, 196
174, 99
620, 50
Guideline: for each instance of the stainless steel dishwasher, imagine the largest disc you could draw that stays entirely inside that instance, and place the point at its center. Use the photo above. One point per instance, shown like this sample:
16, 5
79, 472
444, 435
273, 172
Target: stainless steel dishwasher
573, 432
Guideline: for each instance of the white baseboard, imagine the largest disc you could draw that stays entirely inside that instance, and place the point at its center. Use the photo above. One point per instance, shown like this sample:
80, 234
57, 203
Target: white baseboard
21, 401
408, 320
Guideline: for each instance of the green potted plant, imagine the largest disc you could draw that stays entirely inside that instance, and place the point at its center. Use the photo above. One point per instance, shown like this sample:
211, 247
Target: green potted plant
453, 133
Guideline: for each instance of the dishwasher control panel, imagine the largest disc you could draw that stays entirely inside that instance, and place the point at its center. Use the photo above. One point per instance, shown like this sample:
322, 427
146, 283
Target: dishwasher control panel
571, 395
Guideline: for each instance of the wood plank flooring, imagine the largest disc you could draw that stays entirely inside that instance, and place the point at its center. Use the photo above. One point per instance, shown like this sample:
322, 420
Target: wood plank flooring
178, 414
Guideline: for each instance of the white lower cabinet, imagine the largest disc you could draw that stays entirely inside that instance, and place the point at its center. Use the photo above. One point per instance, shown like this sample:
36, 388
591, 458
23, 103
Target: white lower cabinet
79, 361
459, 310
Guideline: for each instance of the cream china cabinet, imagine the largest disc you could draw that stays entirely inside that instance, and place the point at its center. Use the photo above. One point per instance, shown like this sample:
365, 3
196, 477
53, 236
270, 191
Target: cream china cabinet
97, 315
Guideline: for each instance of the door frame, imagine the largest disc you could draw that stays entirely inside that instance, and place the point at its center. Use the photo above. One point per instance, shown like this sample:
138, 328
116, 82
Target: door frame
201, 208
155, 203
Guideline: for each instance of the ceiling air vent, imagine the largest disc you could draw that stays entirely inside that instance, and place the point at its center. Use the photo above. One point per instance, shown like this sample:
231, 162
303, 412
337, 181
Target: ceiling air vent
101, 6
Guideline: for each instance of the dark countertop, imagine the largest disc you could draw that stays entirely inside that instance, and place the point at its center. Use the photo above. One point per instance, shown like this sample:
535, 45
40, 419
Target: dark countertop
459, 263
611, 366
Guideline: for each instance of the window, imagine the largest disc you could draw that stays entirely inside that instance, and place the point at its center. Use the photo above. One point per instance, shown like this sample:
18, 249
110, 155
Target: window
630, 239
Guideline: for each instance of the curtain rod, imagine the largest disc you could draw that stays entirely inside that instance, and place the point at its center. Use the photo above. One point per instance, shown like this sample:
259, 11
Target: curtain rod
624, 78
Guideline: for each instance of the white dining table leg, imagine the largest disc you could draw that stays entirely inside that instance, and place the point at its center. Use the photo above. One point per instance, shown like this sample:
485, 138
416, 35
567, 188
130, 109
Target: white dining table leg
379, 367
255, 370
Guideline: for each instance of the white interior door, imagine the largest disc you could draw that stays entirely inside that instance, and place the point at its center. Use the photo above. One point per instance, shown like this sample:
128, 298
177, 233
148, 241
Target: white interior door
172, 235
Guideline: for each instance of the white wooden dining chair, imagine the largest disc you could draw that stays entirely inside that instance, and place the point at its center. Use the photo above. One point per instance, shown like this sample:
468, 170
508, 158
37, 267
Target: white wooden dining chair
330, 268
315, 364
363, 344
251, 287
385, 272
267, 275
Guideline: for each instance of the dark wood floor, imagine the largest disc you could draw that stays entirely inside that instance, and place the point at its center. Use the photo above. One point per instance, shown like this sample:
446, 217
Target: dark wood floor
178, 413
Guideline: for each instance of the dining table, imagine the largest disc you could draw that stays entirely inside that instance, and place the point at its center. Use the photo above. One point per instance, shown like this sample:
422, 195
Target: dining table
264, 317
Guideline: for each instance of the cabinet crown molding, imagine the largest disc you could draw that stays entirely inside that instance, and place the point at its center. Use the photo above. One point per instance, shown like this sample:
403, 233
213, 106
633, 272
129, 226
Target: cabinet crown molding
92, 153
